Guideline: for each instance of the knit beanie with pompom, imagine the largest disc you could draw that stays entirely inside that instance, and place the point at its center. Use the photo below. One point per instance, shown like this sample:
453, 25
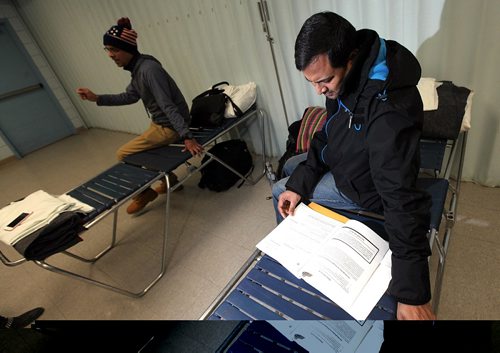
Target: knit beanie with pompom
122, 36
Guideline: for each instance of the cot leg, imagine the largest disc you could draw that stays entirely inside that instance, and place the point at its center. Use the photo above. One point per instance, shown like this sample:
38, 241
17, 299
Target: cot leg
251, 182
166, 227
262, 134
10, 263
432, 238
247, 179
103, 252
440, 272
92, 281
139, 294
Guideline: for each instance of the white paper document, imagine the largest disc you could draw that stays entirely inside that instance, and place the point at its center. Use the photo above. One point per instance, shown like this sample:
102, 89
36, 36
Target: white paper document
335, 336
347, 262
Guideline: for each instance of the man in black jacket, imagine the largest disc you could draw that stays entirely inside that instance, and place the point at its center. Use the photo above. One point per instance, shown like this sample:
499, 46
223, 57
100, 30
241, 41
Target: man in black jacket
367, 154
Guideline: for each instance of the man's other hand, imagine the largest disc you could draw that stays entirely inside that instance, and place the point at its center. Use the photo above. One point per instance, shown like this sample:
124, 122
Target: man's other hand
193, 147
415, 312
86, 94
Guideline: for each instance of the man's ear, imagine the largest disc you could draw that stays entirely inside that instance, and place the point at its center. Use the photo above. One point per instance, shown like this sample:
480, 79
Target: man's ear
351, 59
353, 54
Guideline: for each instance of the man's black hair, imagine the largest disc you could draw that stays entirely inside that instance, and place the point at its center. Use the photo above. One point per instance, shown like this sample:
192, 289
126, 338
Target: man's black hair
325, 32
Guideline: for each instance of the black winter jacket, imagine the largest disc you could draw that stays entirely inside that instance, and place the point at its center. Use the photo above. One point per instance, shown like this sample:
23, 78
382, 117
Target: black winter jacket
370, 143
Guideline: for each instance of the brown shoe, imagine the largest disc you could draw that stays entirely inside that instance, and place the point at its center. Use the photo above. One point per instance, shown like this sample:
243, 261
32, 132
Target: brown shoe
172, 178
141, 200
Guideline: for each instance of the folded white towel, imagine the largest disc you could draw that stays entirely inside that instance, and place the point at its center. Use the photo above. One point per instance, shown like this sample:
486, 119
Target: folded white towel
78, 206
42, 207
467, 115
427, 87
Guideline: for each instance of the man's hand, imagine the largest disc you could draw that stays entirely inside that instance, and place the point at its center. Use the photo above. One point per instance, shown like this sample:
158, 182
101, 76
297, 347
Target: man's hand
415, 312
287, 202
193, 147
86, 94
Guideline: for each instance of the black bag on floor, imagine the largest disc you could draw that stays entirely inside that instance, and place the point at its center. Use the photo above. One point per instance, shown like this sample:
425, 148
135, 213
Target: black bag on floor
217, 177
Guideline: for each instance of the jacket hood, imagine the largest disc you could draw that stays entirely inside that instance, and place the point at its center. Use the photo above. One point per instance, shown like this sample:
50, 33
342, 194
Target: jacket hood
404, 69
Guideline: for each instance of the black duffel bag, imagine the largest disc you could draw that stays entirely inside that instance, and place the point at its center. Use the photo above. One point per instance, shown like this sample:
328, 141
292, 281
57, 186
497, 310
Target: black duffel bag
207, 108
234, 153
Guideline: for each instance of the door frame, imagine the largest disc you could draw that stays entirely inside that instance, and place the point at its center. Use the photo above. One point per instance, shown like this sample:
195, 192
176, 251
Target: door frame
39, 76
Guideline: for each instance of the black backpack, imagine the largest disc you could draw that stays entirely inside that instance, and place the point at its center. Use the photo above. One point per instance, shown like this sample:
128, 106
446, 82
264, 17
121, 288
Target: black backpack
291, 145
217, 177
207, 108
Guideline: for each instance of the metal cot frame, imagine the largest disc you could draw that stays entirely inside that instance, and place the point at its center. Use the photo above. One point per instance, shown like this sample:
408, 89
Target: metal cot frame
108, 191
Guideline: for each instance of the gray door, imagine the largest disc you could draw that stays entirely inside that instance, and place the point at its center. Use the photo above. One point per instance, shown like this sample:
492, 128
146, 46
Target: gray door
30, 115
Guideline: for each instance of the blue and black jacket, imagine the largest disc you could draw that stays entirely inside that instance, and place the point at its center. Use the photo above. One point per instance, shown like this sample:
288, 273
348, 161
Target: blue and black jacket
370, 143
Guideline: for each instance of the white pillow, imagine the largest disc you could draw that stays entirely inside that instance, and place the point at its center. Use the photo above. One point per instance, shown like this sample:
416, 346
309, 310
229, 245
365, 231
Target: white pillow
243, 96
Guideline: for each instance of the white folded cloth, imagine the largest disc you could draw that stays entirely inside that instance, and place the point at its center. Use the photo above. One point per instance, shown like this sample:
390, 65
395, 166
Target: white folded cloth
42, 207
467, 115
78, 206
427, 87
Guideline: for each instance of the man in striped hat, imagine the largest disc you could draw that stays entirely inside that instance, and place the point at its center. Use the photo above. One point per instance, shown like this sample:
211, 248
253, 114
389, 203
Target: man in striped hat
162, 98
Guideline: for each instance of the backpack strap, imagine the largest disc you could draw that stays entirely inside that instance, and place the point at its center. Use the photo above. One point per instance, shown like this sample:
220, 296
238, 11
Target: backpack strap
237, 109
212, 91
209, 92
220, 83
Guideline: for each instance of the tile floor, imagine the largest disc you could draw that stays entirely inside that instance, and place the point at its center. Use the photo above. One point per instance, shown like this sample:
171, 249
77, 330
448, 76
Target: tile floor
211, 236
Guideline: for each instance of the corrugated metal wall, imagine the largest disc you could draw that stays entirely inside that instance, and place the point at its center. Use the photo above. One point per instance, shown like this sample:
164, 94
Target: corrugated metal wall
198, 42
408, 22
201, 42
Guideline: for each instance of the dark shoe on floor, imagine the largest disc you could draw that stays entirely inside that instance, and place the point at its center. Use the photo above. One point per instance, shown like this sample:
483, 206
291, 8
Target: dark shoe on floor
22, 320
141, 200
172, 179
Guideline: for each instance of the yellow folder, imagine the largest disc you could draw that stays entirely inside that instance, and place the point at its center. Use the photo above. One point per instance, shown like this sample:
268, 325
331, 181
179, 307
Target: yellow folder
329, 213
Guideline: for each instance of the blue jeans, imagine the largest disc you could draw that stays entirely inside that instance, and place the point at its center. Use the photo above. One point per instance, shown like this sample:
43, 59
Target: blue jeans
325, 192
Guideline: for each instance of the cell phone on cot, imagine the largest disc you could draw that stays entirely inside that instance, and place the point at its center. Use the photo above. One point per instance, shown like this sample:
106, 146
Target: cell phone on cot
17, 221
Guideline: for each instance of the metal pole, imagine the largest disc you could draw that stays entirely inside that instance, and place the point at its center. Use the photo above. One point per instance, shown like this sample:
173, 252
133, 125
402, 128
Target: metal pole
264, 16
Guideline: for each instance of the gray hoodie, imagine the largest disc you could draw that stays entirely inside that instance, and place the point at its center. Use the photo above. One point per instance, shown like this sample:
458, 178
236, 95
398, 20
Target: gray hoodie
159, 93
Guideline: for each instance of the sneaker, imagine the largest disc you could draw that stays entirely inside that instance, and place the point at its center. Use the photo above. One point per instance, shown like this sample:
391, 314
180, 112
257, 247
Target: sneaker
172, 178
141, 200
22, 320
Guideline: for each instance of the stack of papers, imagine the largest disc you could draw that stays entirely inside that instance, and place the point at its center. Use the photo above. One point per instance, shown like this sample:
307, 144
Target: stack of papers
347, 262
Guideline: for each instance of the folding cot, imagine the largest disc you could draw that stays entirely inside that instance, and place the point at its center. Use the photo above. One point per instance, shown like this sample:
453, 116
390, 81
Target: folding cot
109, 190
264, 290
